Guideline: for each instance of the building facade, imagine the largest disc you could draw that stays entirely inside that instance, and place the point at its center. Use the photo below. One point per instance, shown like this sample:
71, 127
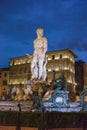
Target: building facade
61, 61
85, 75
4, 81
20, 70
80, 76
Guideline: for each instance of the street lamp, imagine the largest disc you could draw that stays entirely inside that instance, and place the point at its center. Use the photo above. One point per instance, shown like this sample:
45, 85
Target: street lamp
18, 127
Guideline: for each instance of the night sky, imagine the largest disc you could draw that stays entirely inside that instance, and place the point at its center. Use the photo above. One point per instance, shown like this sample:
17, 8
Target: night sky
64, 23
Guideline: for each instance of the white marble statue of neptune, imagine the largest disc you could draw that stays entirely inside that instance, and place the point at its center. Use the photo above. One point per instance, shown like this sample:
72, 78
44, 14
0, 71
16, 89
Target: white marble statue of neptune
39, 59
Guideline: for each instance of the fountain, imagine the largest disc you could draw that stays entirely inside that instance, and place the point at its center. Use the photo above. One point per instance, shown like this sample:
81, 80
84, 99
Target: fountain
38, 94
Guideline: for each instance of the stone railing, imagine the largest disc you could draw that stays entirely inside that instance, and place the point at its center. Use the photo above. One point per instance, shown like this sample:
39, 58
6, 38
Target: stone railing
14, 128
30, 128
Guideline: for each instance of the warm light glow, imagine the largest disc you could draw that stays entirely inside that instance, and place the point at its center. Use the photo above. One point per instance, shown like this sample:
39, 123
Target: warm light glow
16, 81
23, 62
70, 58
65, 56
11, 63
69, 81
49, 80
57, 69
75, 83
49, 58
19, 63
56, 57
22, 82
65, 68
28, 61
49, 69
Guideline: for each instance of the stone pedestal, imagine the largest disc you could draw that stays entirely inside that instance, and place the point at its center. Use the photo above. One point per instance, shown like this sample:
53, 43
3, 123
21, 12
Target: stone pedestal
60, 98
83, 97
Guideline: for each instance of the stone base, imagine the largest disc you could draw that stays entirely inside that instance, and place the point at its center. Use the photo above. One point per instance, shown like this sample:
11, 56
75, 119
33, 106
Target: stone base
40, 87
49, 106
60, 98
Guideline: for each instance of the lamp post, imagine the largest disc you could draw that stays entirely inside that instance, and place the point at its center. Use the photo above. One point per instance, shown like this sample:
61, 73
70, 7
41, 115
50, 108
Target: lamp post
18, 127
42, 119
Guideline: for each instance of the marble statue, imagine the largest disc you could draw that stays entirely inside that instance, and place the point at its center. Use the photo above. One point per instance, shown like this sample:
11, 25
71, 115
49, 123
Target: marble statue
27, 92
14, 90
19, 94
16, 93
39, 59
44, 74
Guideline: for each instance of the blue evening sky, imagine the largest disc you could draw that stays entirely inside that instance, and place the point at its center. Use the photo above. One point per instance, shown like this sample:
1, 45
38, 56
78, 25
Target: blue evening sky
64, 23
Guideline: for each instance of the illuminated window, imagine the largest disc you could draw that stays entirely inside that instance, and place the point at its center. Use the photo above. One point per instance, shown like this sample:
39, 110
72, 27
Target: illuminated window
53, 57
5, 74
4, 82
60, 56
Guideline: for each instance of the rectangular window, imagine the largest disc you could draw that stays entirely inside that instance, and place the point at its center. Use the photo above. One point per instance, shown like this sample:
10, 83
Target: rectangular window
0, 74
25, 70
20, 71
53, 57
4, 82
5, 74
60, 56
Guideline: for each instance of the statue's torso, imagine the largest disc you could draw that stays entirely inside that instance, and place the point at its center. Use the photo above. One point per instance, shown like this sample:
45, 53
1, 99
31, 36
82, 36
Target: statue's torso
40, 45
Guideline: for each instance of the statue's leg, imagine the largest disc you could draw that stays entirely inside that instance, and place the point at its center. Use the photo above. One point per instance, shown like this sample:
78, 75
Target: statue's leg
34, 67
44, 74
40, 65
36, 72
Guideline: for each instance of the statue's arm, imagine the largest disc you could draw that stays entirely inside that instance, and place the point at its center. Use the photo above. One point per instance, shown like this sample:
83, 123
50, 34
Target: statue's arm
45, 45
34, 44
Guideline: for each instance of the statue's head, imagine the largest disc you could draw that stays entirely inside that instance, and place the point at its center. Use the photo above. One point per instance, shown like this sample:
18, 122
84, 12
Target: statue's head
39, 31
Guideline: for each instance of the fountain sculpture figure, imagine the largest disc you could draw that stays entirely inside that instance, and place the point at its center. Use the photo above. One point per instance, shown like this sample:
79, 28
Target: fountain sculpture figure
39, 59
